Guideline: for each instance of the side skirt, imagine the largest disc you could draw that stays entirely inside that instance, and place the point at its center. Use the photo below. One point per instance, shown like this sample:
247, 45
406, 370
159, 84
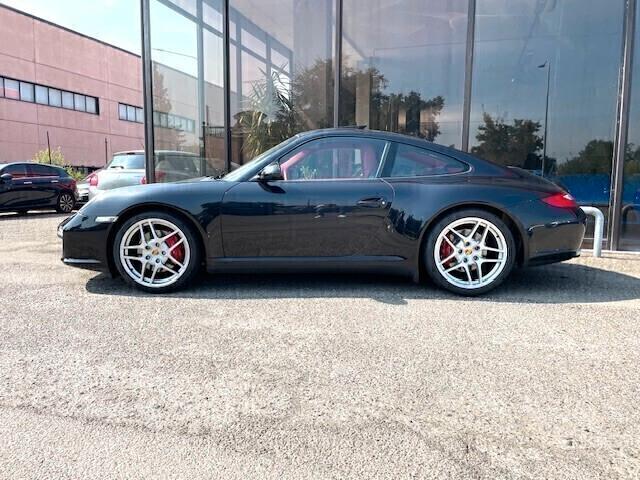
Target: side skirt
376, 264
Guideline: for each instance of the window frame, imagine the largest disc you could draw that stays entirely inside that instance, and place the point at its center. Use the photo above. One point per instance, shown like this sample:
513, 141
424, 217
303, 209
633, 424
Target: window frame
387, 145
17, 82
385, 170
53, 92
13, 165
39, 88
28, 87
32, 89
31, 170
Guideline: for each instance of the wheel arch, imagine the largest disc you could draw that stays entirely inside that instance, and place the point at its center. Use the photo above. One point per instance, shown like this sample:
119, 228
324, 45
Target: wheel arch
514, 226
146, 207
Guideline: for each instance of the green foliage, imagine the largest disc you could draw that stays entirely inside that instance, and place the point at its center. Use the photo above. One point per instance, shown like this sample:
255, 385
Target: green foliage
269, 116
42, 156
594, 158
514, 144
278, 107
57, 158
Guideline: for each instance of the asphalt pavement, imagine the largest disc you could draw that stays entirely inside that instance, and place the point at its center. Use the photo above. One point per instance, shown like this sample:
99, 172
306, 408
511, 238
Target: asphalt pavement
307, 376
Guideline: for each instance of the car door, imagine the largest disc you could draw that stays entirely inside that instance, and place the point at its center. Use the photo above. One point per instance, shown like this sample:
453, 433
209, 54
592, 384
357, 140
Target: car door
13, 194
43, 190
329, 204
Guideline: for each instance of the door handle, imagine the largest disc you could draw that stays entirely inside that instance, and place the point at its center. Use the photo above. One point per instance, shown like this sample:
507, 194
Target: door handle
27, 183
372, 202
54, 181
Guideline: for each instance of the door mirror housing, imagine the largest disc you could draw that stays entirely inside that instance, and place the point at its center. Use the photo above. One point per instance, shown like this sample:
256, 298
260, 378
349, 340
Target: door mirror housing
6, 178
271, 173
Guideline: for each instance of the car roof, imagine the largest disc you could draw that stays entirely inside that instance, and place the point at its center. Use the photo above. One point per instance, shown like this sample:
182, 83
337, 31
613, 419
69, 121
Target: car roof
141, 152
2, 165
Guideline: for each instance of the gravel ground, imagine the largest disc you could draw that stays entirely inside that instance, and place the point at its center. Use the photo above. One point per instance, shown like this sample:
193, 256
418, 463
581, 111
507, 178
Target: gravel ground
315, 376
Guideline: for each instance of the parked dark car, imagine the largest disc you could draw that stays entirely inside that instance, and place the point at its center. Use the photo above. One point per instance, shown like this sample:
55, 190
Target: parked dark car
32, 186
339, 200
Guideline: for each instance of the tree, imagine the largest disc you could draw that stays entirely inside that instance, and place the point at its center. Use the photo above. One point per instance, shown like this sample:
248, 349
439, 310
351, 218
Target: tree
57, 158
276, 109
594, 158
516, 144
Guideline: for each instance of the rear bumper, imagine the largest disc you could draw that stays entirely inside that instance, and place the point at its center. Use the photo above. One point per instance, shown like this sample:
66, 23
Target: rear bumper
558, 240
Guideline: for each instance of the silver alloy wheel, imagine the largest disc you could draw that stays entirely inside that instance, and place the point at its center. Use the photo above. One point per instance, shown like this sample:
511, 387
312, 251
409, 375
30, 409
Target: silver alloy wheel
65, 203
470, 253
149, 252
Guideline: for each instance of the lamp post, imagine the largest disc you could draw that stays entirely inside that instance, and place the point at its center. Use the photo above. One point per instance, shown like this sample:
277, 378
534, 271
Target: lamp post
546, 65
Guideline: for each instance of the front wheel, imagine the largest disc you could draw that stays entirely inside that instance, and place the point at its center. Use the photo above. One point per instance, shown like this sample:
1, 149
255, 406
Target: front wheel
469, 252
66, 202
156, 252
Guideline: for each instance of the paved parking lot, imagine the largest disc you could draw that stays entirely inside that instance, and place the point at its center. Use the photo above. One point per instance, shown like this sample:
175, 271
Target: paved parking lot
315, 376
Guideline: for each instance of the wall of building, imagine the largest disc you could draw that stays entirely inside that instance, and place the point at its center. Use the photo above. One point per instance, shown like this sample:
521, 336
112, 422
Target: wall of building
36, 51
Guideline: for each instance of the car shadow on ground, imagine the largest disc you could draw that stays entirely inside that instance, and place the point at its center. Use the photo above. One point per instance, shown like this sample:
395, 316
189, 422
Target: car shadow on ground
553, 284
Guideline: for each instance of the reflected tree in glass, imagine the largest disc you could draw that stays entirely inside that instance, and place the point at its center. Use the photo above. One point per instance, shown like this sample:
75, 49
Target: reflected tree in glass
514, 144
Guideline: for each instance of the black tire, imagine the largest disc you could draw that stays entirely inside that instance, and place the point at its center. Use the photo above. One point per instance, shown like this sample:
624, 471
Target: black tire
66, 202
429, 246
192, 267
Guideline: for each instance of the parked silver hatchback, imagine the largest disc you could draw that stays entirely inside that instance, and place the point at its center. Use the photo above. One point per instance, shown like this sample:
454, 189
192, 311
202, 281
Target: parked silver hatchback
128, 168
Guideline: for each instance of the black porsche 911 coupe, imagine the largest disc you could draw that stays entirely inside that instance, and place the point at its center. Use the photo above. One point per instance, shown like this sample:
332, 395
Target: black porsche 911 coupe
333, 200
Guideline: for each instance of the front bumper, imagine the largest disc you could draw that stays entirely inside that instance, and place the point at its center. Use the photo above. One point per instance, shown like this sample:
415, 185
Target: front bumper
85, 243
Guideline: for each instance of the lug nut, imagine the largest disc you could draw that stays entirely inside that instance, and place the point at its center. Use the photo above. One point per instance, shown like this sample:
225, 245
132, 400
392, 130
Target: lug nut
465, 260
475, 258
157, 260
164, 253
147, 257
460, 251
477, 247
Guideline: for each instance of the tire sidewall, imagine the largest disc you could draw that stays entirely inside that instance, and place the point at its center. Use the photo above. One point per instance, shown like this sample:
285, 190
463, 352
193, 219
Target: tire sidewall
194, 247
432, 236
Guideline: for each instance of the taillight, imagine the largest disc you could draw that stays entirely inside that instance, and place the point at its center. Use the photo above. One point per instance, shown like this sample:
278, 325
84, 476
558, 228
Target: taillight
561, 200
93, 180
143, 180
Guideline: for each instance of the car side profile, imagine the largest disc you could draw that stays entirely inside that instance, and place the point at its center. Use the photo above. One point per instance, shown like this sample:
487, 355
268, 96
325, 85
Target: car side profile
33, 186
333, 200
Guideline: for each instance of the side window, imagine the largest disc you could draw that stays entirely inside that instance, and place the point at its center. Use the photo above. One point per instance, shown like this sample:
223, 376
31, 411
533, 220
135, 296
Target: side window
42, 171
17, 171
410, 161
331, 158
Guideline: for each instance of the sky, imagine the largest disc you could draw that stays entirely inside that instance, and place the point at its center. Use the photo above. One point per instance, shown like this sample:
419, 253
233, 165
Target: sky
113, 21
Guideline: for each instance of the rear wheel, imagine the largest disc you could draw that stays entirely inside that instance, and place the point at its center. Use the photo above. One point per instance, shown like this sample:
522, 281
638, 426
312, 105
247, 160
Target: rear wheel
66, 202
469, 252
156, 252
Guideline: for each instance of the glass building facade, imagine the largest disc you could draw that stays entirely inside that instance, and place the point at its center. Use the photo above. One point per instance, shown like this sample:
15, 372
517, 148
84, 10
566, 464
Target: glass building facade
551, 86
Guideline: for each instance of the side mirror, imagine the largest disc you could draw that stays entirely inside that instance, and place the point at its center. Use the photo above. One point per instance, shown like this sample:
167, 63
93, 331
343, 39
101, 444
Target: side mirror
6, 178
271, 173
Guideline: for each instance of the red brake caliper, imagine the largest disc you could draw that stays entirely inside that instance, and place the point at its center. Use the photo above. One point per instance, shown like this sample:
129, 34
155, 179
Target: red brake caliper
445, 251
178, 252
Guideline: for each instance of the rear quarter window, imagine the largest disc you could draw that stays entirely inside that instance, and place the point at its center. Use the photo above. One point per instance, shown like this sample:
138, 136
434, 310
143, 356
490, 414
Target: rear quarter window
410, 161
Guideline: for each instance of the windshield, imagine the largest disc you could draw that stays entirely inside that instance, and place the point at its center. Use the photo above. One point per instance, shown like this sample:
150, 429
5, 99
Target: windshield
239, 172
133, 161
